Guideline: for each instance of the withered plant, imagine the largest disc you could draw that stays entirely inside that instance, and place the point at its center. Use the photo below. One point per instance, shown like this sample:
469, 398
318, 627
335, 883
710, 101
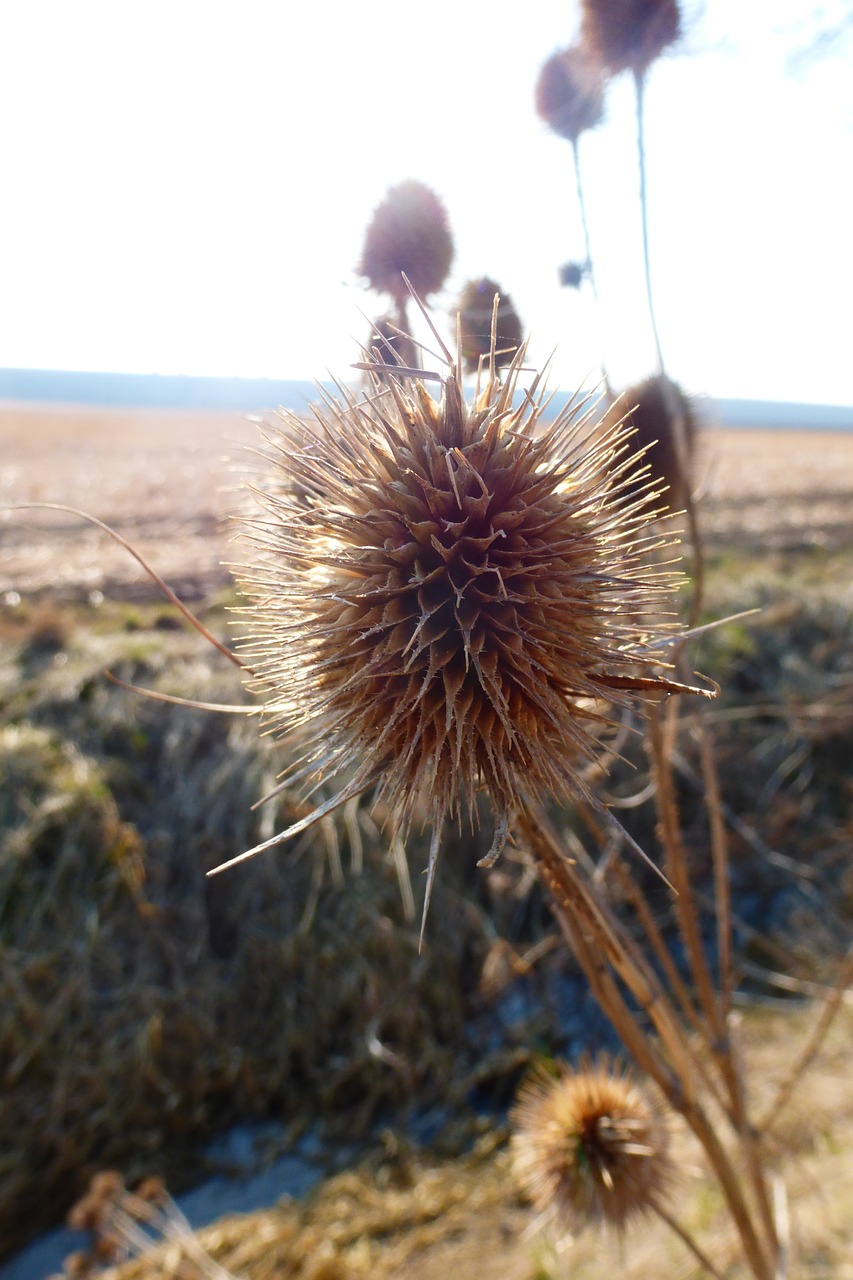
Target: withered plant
629, 35
665, 424
450, 597
489, 326
447, 597
569, 98
408, 239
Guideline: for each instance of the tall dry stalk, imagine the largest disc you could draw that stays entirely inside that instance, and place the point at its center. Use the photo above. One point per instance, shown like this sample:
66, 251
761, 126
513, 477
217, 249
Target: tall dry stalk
569, 97
630, 35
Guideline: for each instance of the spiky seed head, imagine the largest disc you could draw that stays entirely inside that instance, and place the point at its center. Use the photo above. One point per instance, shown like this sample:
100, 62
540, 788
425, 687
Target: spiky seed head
590, 1145
627, 35
445, 596
408, 233
569, 93
663, 419
476, 313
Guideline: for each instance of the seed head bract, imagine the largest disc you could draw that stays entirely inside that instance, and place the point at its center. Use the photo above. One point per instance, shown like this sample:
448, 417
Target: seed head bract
445, 597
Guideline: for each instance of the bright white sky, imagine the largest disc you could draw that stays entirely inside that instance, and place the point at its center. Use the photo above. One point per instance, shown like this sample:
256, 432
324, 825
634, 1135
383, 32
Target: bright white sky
187, 184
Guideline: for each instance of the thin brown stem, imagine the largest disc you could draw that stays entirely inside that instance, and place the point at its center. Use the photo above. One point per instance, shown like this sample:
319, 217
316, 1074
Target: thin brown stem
720, 856
812, 1045
686, 1239
640, 87
590, 268
675, 860
600, 944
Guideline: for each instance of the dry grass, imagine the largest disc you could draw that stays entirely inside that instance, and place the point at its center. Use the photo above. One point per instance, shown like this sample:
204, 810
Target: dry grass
408, 1216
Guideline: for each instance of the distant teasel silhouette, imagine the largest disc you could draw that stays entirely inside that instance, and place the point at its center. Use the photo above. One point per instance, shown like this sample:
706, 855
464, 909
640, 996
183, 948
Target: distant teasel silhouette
569, 97
664, 420
571, 274
409, 236
628, 35
569, 93
590, 1145
476, 310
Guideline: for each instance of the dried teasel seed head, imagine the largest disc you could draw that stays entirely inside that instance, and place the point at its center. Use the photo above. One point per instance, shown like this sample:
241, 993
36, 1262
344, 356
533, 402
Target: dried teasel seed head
569, 93
627, 35
664, 421
476, 316
590, 1145
408, 233
445, 598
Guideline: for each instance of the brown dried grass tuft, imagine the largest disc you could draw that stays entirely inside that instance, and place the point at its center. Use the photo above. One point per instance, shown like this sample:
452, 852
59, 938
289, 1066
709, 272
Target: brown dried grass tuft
142, 1006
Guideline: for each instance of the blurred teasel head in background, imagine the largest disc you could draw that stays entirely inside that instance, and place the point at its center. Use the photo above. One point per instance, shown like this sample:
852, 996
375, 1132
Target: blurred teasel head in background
569, 93
408, 233
480, 324
590, 1145
628, 35
664, 421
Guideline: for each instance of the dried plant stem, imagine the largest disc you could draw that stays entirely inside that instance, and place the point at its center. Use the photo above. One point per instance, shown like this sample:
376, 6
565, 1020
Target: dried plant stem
603, 948
658, 945
677, 416
720, 856
812, 1046
590, 268
686, 1239
640, 87
676, 864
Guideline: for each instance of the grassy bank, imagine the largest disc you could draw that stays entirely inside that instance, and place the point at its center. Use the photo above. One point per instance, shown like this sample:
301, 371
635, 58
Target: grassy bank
146, 1007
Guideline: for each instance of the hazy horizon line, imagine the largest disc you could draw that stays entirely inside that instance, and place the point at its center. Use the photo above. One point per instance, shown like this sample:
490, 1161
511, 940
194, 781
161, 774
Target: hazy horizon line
247, 394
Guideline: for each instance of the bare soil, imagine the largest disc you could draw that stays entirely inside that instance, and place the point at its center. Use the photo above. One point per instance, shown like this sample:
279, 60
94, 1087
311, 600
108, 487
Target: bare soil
170, 482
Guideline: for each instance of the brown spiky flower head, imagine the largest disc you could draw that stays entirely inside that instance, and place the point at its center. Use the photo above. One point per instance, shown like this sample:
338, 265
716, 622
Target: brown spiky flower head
409, 234
569, 93
627, 35
479, 324
590, 1146
664, 421
445, 594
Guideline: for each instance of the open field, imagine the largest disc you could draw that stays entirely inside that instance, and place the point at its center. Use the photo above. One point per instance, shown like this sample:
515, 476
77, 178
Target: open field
143, 1008
169, 480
